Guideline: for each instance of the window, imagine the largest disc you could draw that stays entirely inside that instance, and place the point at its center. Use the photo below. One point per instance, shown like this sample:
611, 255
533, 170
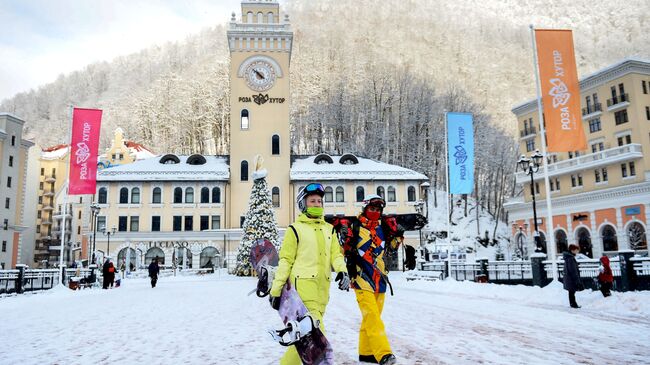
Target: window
101, 222
269, 18
360, 194
155, 223
244, 119
178, 195
189, 195
597, 175
391, 194
275, 145
11, 158
623, 140
621, 117
13, 140
79, 216
189, 223
242, 220
249, 17
594, 125
40, 200
530, 145
205, 221
536, 188
243, 170
610, 241
644, 87
38, 215
54, 172
178, 220
621, 90
216, 222
275, 196
124, 196
410, 192
557, 184
624, 170
42, 171
579, 179
4, 246
598, 146
156, 196
647, 112
216, 195
8, 202
381, 192
329, 195
205, 195
38, 229
135, 196
632, 169
260, 17
340, 196
5, 224
9, 181
135, 224
551, 185
122, 223
102, 197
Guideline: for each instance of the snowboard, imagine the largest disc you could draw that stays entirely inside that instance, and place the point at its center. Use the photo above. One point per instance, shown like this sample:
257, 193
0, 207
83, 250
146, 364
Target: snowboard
301, 330
405, 222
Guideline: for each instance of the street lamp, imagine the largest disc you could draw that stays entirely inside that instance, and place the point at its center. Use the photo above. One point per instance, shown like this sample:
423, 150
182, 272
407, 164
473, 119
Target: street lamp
94, 210
530, 166
108, 233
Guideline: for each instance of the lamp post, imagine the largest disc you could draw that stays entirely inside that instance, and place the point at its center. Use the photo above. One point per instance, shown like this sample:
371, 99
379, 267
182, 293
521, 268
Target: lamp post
94, 210
530, 166
108, 233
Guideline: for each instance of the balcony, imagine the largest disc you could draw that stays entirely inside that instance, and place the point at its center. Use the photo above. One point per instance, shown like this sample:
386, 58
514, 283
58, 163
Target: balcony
588, 162
46, 222
529, 132
592, 111
48, 208
58, 215
48, 193
50, 178
618, 102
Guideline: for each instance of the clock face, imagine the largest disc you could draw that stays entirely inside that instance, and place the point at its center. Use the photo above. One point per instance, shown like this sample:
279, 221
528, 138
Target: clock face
260, 76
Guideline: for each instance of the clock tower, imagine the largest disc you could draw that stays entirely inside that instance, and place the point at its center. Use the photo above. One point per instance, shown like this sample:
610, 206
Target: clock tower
260, 53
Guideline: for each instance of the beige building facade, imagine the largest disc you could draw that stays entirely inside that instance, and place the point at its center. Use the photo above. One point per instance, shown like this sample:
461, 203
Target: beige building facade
601, 195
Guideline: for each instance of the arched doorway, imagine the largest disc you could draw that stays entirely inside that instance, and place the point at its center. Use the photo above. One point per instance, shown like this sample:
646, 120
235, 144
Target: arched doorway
128, 259
210, 258
636, 236
152, 253
608, 236
583, 237
561, 242
520, 246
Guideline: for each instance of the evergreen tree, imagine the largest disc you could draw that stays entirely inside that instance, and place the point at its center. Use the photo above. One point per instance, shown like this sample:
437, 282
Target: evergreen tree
259, 222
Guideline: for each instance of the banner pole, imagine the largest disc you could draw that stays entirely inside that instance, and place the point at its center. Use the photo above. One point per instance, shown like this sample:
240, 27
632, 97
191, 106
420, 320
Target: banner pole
65, 197
448, 197
550, 236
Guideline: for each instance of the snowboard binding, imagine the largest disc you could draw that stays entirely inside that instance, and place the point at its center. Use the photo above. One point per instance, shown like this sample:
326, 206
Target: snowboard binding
295, 331
264, 280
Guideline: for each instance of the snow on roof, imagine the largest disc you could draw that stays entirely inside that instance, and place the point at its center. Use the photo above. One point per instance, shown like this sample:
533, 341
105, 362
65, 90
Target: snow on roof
151, 169
54, 152
139, 151
365, 169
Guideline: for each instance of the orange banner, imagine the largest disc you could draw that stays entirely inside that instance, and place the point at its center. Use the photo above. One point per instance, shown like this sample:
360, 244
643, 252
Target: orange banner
560, 90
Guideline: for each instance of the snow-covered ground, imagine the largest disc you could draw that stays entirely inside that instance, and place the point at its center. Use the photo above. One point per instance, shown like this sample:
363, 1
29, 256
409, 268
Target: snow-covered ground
211, 320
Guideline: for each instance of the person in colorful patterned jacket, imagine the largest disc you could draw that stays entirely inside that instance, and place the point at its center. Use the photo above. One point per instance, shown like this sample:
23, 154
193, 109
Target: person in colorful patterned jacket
365, 242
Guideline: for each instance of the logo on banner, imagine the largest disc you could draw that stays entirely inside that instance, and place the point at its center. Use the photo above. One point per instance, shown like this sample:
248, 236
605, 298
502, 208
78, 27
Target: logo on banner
461, 154
559, 92
83, 152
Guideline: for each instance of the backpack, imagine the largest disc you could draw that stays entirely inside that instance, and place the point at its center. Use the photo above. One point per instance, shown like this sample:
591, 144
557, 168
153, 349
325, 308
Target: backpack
111, 269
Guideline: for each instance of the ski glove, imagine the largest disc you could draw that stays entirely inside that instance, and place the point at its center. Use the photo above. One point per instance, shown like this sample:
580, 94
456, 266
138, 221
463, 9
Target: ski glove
344, 280
275, 302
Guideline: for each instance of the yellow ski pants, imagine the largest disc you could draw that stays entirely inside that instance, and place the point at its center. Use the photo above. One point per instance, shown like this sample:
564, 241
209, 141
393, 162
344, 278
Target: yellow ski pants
372, 335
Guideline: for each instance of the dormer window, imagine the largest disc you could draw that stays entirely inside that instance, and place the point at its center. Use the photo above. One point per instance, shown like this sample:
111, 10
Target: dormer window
348, 159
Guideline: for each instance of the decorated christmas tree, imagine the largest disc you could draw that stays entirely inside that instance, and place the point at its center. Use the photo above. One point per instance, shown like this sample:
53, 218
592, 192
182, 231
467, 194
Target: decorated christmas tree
259, 222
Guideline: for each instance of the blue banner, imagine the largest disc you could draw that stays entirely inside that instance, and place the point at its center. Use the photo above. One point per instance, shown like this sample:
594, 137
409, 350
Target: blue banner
460, 152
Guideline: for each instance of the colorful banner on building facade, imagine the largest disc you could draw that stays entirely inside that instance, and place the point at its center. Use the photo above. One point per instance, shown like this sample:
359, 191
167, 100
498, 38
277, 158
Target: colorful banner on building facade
86, 125
460, 152
560, 90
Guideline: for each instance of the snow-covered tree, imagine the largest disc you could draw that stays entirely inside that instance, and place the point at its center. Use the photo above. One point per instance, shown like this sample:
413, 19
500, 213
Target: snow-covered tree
259, 222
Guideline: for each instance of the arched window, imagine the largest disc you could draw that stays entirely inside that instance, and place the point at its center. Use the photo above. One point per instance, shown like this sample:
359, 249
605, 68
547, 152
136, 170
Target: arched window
124, 196
608, 235
381, 192
636, 236
189, 195
216, 195
135, 196
275, 196
329, 195
269, 18
156, 197
205, 195
178, 195
260, 17
102, 197
391, 194
275, 144
584, 241
245, 123
340, 196
561, 241
360, 194
244, 170
249, 17
411, 193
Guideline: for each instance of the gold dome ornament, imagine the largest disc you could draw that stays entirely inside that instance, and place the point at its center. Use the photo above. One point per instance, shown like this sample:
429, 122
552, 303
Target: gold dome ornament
259, 173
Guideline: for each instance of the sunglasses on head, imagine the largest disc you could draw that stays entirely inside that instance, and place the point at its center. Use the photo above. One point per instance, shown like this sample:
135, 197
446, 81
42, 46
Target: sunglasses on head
314, 187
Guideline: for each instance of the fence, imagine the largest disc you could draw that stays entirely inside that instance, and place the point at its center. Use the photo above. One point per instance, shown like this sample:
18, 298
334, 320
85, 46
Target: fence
630, 273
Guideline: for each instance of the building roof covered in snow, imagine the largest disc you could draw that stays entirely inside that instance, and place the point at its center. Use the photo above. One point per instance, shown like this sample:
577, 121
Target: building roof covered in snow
139, 151
54, 152
170, 167
348, 167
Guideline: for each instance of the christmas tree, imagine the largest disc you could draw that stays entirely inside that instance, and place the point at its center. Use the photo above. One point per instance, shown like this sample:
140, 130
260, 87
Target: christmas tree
259, 222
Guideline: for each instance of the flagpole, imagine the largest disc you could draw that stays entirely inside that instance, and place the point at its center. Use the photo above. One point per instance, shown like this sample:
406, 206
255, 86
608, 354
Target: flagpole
65, 197
448, 197
550, 236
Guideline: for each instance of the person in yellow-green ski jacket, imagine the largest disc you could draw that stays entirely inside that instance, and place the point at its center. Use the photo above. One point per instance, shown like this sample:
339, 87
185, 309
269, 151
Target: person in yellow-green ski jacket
310, 250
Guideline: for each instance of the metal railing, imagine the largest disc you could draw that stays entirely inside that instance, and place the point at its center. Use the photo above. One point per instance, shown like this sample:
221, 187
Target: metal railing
528, 132
618, 99
590, 109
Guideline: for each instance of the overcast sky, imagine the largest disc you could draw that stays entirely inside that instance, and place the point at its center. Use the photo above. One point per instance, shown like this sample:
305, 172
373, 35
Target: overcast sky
40, 39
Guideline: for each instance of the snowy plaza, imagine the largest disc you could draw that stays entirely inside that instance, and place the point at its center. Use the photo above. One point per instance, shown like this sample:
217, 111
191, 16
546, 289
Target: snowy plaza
211, 319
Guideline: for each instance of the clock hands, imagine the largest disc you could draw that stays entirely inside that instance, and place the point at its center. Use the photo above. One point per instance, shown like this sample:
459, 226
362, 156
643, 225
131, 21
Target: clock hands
260, 76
